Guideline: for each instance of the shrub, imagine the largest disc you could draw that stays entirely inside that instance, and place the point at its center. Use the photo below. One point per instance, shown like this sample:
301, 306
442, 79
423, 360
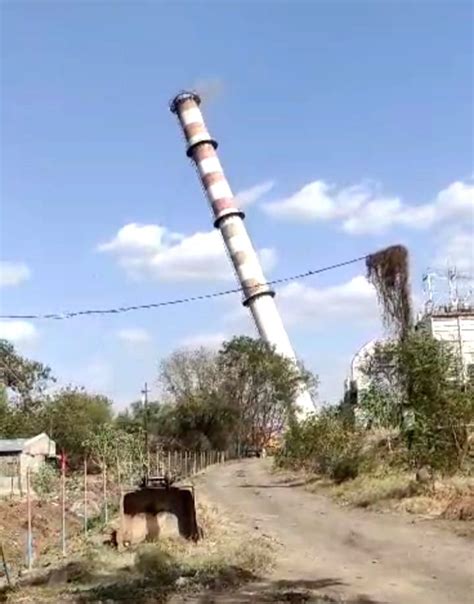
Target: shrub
45, 482
324, 443
416, 389
157, 563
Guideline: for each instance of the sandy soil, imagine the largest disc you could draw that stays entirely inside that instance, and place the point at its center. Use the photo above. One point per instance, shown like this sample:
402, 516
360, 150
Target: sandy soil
351, 555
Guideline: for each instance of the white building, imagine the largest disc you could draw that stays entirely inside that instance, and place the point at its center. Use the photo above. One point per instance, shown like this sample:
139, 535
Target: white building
359, 360
17, 455
455, 326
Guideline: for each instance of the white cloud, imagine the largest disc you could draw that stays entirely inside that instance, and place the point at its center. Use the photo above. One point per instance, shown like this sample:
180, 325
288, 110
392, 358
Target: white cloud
364, 209
13, 273
134, 335
17, 331
211, 340
353, 301
248, 196
302, 305
140, 238
152, 251
456, 249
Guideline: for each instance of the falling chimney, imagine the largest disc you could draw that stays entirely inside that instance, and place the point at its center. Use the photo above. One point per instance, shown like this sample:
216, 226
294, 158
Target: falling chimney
229, 219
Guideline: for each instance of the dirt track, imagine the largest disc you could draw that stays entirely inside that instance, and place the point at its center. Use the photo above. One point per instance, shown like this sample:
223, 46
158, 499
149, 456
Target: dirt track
345, 553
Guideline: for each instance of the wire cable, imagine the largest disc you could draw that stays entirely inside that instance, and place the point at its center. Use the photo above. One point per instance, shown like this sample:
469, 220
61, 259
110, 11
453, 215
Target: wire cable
187, 300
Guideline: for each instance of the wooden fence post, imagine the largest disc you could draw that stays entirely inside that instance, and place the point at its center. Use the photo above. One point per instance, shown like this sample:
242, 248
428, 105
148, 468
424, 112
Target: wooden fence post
85, 496
63, 505
119, 475
20, 479
29, 536
104, 487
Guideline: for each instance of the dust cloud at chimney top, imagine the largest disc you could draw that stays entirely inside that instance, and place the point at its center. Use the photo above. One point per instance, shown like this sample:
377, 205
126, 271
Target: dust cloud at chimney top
229, 219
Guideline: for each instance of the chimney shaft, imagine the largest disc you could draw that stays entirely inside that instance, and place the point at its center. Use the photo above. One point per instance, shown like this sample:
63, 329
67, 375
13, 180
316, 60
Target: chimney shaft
258, 296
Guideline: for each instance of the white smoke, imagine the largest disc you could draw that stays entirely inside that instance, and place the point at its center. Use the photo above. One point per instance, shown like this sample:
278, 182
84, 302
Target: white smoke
209, 89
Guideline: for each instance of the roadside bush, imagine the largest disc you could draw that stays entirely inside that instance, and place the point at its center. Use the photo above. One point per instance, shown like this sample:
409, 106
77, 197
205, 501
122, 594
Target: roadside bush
323, 443
416, 389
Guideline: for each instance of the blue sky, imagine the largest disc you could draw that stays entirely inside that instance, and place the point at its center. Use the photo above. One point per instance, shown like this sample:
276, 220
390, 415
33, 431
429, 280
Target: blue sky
346, 125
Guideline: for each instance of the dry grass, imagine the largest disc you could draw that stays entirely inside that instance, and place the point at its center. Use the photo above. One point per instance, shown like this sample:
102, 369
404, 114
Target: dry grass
367, 490
448, 498
151, 573
223, 555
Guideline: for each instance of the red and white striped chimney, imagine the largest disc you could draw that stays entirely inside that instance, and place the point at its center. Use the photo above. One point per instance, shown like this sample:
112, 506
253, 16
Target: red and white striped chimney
258, 296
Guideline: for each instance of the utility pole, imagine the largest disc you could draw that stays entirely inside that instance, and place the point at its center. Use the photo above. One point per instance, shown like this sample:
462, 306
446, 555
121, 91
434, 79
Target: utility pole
145, 392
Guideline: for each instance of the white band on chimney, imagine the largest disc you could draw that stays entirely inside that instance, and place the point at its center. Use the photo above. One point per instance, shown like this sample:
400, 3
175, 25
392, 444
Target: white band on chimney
250, 269
219, 190
191, 116
238, 243
208, 165
198, 138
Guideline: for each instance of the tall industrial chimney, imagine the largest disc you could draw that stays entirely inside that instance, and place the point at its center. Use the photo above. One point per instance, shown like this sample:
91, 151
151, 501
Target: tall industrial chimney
258, 296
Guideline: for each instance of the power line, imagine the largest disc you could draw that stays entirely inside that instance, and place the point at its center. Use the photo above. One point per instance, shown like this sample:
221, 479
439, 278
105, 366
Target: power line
187, 300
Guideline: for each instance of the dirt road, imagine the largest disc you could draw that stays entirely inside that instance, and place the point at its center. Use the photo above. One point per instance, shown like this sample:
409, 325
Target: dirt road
352, 554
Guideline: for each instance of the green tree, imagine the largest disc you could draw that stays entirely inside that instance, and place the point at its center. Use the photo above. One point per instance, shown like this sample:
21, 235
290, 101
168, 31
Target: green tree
261, 386
26, 379
243, 395
72, 416
129, 420
22, 393
415, 388
187, 374
195, 413
4, 410
198, 423
117, 452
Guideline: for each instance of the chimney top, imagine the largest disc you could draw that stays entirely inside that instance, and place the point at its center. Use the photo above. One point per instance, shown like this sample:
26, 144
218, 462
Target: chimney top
183, 96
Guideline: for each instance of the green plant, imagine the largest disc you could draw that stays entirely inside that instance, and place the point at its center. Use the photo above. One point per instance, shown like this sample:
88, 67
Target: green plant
324, 443
415, 388
45, 482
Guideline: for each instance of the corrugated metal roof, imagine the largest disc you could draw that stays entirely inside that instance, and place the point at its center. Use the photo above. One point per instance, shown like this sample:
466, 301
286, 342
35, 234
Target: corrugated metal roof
12, 445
